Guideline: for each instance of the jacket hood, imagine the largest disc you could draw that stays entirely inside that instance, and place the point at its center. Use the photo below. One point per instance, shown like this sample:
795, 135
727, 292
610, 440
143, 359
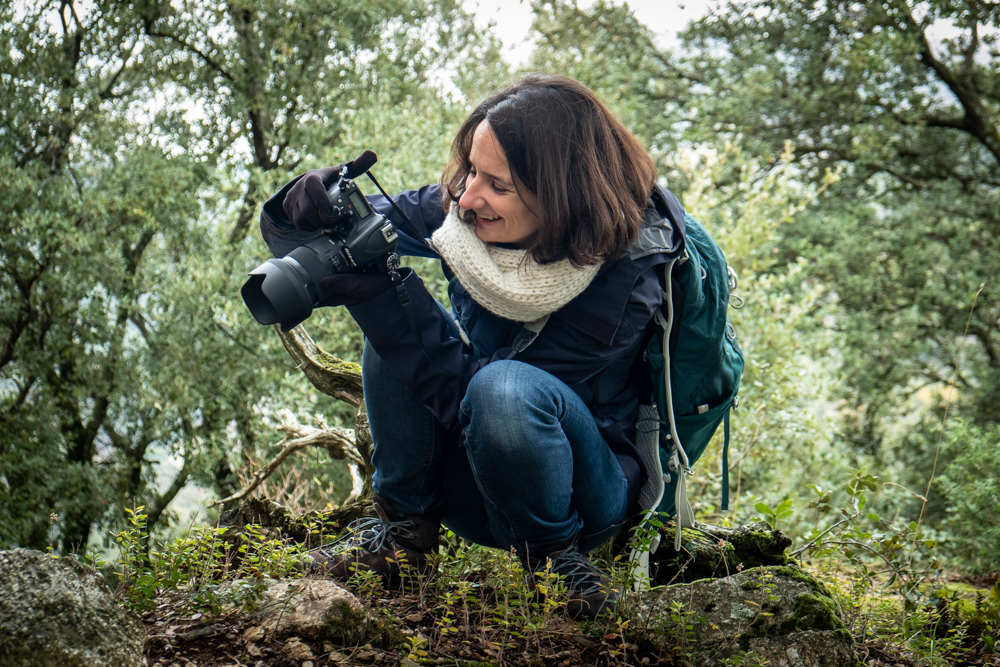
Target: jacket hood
663, 228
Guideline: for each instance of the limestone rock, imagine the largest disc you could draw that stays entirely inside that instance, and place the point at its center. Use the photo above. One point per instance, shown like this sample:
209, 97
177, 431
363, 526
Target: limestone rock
779, 612
60, 613
312, 608
296, 650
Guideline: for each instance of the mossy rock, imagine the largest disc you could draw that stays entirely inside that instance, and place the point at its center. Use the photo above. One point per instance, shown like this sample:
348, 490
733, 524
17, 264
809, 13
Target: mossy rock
780, 613
709, 551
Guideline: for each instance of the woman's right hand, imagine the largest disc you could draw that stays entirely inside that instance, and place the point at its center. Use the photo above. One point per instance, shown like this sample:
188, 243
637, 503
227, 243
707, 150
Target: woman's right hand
307, 201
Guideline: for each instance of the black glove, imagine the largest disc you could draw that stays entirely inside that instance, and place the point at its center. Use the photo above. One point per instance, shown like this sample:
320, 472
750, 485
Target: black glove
307, 205
307, 201
350, 289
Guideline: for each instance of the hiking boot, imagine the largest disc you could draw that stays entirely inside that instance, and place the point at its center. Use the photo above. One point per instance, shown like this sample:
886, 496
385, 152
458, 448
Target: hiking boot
389, 545
590, 590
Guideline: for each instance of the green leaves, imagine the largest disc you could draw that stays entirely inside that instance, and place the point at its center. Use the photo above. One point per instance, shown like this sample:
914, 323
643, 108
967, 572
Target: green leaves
773, 516
132, 169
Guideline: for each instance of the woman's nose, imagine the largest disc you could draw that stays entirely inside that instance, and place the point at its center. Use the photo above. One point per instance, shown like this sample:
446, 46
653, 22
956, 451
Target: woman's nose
470, 199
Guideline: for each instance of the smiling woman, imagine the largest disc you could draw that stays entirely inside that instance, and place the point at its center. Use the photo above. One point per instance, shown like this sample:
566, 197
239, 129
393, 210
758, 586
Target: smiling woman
574, 166
513, 435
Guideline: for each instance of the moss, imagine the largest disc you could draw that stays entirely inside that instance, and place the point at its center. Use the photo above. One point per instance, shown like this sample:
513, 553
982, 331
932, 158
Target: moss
815, 610
812, 612
335, 365
798, 574
702, 556
354, 627
751, 585
756, 547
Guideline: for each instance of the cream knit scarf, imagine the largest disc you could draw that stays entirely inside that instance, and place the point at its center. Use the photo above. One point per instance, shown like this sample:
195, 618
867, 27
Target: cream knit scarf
501, 281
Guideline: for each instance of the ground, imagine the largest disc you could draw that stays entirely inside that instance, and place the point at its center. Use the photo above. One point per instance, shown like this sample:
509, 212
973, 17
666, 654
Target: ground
464, 624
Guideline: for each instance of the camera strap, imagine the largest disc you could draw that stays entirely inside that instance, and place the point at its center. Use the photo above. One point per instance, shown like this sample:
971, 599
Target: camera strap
404, 300
420, 226
527, 335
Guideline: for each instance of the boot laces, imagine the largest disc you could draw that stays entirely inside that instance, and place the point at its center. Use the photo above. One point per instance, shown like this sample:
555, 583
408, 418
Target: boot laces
582, 577
373, 534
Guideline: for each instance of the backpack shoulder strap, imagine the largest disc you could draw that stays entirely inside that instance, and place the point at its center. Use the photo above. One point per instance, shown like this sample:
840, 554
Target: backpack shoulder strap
527, 335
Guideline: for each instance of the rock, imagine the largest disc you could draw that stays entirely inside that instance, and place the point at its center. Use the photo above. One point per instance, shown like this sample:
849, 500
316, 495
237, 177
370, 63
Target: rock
714, 551
311, 608
296, 650
60, 613
198, 633
780, 613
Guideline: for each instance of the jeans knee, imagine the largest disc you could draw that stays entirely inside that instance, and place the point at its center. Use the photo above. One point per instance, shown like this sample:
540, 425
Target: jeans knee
508, 398
502, 389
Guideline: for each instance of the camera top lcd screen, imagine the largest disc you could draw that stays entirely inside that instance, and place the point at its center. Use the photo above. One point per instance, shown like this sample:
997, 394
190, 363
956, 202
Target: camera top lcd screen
360, 205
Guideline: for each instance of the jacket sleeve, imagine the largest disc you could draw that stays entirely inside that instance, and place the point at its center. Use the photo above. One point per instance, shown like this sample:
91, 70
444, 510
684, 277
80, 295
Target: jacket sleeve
437, 367
422, 209
416, 343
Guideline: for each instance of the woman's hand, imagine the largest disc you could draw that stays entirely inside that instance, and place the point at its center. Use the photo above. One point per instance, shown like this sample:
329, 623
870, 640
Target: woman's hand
307, 202
350, 289
307, 205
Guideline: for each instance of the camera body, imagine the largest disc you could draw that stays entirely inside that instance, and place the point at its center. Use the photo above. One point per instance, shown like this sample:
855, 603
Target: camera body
284, 291
362, 240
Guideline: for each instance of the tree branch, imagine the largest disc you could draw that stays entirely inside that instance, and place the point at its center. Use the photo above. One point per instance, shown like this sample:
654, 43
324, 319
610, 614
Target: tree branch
214, 66
106, 91
22, 396
164, 499
917, 183
338, 442
976, 121
332, 376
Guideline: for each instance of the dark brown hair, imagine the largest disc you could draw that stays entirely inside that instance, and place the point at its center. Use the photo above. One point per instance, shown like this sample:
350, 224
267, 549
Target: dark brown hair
591, 177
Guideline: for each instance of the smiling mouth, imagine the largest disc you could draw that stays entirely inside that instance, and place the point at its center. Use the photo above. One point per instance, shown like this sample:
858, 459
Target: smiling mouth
487, 219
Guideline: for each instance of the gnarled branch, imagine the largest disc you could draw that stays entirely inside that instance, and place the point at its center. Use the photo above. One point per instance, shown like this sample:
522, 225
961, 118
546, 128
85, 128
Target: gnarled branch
332, 376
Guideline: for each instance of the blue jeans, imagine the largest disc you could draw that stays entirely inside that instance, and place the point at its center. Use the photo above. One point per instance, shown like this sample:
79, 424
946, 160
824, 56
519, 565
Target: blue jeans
529, 469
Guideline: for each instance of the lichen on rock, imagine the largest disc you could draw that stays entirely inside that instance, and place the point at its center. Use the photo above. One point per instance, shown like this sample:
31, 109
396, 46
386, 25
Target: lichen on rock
780, 613
57, 612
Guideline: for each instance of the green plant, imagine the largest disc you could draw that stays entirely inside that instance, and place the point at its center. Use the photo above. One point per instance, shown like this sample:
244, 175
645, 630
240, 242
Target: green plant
207, 571
773, 516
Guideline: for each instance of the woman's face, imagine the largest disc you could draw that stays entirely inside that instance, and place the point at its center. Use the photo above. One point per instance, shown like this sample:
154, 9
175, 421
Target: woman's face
501, 215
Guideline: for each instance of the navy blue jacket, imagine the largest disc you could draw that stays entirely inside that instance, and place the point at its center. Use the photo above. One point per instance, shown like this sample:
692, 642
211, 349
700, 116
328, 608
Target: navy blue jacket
590, 343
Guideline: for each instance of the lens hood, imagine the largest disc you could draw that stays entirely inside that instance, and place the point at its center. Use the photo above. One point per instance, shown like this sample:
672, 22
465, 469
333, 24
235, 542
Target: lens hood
276, 293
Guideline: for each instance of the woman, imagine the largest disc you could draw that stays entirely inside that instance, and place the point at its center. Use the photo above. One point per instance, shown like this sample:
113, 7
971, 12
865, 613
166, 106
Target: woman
514, 438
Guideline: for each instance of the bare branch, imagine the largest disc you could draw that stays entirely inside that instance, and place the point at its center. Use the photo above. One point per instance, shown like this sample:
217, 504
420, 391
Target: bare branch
338, 442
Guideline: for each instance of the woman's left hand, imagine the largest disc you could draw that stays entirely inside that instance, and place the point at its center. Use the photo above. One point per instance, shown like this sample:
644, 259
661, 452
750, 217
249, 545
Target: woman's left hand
349, 289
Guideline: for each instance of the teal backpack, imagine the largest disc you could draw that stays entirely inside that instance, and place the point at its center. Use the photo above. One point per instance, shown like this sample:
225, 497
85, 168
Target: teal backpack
695, 381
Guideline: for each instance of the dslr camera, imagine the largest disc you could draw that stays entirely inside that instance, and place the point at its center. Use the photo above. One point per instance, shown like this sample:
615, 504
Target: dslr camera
285, 291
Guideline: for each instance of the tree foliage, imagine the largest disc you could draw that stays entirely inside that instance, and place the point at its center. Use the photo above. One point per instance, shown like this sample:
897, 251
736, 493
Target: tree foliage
910, 232
846, 155
127, 132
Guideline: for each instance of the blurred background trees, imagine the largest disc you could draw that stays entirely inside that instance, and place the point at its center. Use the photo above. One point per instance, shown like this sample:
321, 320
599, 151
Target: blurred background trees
845, 154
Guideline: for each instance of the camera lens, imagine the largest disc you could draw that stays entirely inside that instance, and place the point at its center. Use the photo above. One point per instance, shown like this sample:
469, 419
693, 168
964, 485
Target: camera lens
276, 292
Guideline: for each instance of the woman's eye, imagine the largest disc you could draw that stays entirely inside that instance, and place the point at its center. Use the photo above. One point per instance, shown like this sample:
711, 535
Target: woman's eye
500, 191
